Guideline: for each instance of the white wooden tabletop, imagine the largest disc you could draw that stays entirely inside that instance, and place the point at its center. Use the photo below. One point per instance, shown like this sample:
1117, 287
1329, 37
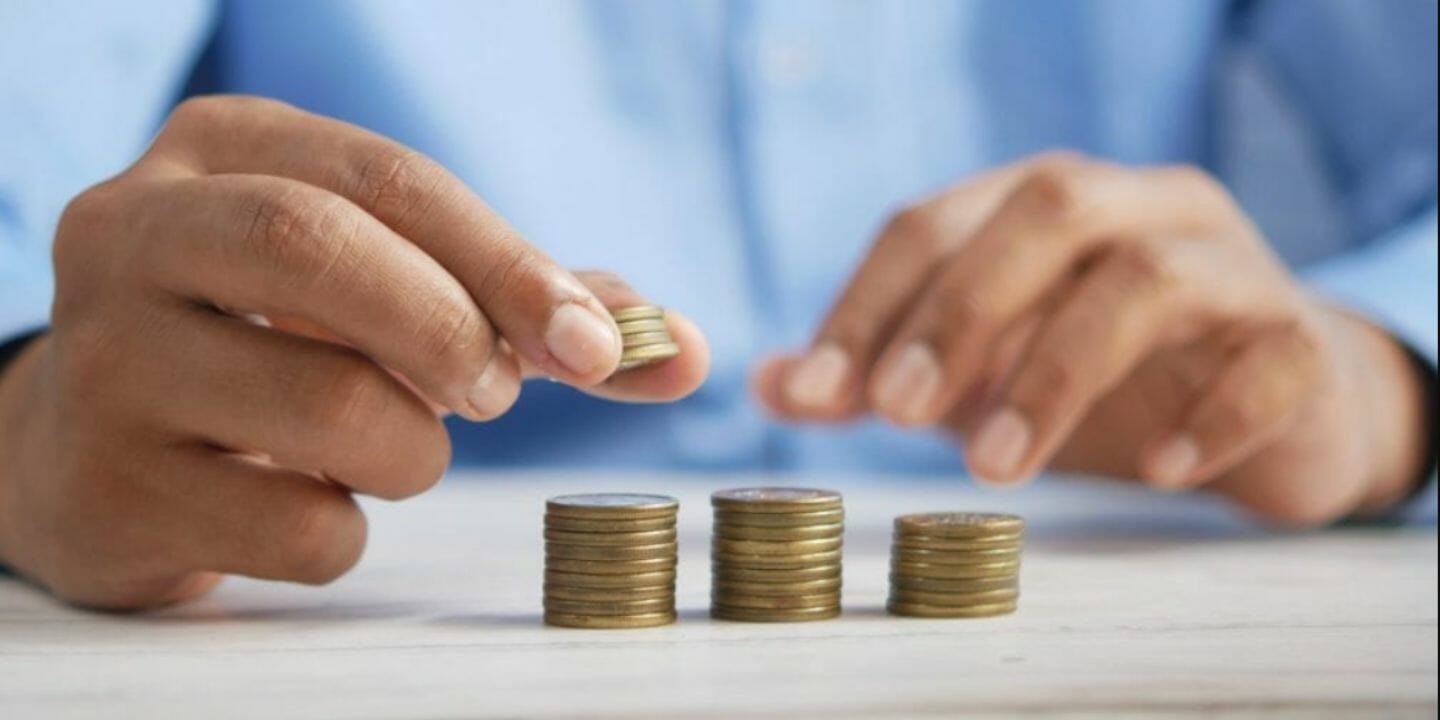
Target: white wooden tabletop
1133, 604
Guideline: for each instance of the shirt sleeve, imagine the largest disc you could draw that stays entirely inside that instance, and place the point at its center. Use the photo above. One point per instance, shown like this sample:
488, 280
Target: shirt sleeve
83, 85
1364, 74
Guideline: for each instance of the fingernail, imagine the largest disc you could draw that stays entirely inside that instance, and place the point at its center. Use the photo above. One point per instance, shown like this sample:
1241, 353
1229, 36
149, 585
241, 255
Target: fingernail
1174, 462
580, 339
816, 380
1000, 444
905, 389
484, 396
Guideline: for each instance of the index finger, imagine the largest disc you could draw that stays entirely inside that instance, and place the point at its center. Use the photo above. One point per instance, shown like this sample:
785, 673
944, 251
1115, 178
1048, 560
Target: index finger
544, 312
825, 382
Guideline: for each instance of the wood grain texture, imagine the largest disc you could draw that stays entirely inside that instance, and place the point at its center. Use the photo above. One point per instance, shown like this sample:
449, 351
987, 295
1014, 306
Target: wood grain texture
1132, 604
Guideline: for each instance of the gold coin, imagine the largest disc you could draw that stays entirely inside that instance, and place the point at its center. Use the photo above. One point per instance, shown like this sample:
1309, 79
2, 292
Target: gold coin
608, 622
642, 537
955, 572
930, 542
961, 585
782, 534
960, 524
637, 312
639, 325
566, 592
629, 607
613, 506
950, 557
776, 602
828, 557
610, 567
611, 582
805, 587
728, 573
725, 612
633, 358
981, 597
768, 547
942, 611
776, 500
740, 518
610, 552
641, 339
650, 352
555, 522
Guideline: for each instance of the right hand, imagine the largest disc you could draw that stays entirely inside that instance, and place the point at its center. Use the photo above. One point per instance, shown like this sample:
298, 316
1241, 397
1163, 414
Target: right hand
268, 311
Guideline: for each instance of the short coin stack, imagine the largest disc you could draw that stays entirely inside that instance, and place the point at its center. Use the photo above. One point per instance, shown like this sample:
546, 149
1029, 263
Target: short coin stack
950, 565
610, 560
776, 554
644, 337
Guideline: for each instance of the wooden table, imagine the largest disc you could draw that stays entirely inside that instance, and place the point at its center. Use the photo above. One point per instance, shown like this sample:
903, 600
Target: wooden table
1133, 604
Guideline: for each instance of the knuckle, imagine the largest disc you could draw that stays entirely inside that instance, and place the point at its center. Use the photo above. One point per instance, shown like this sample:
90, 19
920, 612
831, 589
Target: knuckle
301, 236
350, 398
325, 538
199, 111
1198, 186
203, 111
453, 336
396, 183
96, 207
509, 265
913, 228
1145, 265
1051, 190
1197, 181
85, 218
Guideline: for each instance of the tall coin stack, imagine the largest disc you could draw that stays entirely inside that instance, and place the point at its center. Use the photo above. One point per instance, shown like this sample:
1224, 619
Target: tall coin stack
644, 338
951, 565
610, 560
776, 554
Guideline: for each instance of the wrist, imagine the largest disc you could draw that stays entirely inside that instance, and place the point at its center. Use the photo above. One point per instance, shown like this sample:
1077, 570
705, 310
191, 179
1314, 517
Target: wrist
1392, 414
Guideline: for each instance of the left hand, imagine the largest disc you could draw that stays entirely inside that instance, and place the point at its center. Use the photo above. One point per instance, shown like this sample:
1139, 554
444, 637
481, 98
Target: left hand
1070, 313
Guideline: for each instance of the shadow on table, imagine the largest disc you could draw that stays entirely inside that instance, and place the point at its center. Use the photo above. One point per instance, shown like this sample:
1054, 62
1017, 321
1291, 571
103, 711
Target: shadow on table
1132, 536
214, 611
489, 620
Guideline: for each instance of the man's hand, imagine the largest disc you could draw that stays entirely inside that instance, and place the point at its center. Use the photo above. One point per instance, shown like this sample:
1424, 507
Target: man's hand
268, 312
1074, 314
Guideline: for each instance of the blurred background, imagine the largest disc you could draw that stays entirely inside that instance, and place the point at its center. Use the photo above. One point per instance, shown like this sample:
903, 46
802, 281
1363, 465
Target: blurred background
732, 159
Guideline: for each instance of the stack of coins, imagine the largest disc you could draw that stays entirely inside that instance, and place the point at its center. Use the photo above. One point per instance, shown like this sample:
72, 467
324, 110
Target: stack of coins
776, 554
643, 336
610, 560
948, 565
